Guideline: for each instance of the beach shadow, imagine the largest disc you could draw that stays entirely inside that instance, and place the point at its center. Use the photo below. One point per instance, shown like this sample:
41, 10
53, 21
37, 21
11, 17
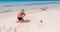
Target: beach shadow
26, 21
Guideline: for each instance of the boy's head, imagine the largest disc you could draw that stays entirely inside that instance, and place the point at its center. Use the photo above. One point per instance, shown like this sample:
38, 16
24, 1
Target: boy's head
22, 10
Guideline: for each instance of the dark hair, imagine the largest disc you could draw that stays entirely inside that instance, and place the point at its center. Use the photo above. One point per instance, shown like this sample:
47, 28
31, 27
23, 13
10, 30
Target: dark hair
22, 9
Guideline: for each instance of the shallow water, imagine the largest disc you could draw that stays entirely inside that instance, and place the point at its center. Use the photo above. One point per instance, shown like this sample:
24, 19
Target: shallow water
16, 6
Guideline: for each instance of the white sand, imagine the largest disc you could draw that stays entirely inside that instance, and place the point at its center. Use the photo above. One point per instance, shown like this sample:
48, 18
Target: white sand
50, 18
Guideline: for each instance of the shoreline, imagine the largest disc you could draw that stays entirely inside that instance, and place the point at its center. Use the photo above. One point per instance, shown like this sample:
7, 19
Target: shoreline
50, 18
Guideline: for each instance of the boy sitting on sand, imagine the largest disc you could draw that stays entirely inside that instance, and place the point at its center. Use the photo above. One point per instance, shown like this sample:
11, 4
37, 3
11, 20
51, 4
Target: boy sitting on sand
20, 16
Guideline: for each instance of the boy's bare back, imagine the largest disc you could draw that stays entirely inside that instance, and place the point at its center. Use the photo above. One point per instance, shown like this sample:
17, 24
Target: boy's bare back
20, 16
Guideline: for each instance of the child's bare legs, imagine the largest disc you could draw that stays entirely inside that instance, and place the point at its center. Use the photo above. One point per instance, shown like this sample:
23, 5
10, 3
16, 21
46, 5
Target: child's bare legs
22, 20
17, 21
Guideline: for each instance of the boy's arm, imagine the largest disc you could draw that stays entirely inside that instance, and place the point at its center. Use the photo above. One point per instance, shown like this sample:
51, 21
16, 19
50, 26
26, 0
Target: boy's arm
24, 14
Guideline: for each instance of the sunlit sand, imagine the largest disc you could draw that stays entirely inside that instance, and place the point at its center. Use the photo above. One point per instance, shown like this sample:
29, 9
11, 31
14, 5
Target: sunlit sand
50, 21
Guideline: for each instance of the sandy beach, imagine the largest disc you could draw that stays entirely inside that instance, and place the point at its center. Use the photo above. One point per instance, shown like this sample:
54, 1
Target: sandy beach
50, 18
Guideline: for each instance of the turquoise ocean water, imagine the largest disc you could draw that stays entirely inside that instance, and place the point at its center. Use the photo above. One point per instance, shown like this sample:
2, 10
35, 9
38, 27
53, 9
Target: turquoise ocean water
15, 6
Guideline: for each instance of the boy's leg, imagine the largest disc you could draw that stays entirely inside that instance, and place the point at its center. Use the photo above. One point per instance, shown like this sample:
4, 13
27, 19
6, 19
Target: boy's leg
17, 21
22, 19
